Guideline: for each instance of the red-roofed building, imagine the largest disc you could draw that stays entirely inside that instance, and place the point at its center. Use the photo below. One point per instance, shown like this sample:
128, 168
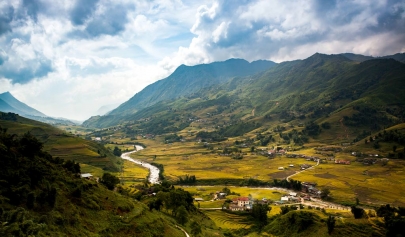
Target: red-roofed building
241, 204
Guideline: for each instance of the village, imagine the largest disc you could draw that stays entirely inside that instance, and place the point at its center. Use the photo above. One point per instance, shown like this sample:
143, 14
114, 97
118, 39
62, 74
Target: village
309, 196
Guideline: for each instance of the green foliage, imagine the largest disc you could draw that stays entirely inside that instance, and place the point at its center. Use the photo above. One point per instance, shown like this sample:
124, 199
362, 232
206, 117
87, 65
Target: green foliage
210, 136
325, 193
110, 181
259, 213
293, 223
173, 138
182, 215
291, 184
117, 151
312, 129
62, 203
394, 219
195, 228
188, 179
358, 212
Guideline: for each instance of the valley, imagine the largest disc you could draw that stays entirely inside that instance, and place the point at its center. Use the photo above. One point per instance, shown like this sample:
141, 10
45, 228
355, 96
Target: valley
306, 140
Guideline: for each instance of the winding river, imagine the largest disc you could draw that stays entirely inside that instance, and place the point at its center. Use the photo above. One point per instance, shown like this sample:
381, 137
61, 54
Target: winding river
153, 170
154, 179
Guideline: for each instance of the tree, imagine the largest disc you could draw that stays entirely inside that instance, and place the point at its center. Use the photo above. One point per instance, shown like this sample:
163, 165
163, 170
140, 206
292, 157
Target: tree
195, 228
330, 222
182, 215
394, 148
358, 212
325, 193
110, 180
117, 151
259, 213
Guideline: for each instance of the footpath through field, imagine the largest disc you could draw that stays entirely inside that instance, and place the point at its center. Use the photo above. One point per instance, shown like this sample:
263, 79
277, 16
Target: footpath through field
302, 171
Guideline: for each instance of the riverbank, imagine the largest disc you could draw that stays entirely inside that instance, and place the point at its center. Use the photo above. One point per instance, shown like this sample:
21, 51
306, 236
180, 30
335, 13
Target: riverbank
153, 171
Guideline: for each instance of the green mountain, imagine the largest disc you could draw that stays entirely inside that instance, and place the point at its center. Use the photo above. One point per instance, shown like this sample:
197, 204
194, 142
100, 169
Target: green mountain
361, 58
324, 89
61, 144
330, 89
185, 80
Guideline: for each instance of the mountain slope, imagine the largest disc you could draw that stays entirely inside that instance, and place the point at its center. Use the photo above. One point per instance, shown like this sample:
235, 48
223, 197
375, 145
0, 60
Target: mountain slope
400, 57
185, 80
60, 144
8, 103
44, 196
18, 106
321, 88
188, 79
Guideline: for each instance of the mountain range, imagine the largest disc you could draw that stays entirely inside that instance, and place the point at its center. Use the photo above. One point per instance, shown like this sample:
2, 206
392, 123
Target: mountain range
8, 103
314, 87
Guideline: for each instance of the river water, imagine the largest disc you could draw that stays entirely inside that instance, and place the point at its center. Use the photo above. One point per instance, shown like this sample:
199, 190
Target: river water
153, 170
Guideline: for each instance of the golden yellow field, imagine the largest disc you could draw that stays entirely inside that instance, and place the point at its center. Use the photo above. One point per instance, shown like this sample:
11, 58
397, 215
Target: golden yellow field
370, 184
206, 192
180, 159
375, 184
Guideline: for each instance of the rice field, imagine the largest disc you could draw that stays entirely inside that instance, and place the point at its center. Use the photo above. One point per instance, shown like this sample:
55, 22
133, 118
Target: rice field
181, 159
374, 185
227, 220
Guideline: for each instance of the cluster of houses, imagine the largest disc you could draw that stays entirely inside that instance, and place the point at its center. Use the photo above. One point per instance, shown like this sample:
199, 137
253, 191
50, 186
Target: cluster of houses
275, 152
343, 162
291, 197
310, 188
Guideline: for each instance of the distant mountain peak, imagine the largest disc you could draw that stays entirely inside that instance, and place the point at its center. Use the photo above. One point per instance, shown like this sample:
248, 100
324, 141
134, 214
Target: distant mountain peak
18, 106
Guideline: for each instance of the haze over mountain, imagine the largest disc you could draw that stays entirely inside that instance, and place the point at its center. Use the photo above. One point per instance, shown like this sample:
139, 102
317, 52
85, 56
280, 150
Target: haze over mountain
105, 109
11, 104
8, 103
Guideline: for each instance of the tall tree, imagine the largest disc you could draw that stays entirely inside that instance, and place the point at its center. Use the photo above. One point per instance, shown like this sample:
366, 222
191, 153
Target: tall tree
182, 215
330, 222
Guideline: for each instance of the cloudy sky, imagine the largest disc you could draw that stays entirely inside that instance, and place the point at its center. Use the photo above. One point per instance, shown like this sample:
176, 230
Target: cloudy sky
68, 58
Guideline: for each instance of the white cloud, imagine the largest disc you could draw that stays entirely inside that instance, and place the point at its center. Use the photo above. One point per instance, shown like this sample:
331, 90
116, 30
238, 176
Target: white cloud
67, 60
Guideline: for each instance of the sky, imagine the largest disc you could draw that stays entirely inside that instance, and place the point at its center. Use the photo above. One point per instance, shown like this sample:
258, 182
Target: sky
68, 58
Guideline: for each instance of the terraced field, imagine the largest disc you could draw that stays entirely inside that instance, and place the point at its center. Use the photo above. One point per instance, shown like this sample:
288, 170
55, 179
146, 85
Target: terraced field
227, 220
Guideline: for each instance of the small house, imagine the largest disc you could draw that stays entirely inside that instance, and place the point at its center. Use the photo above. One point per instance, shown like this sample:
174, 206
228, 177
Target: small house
86, 175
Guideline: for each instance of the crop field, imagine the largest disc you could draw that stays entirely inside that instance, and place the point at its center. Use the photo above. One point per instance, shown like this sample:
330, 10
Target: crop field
227, 220
180, 159
257, 193
371, 184
133, 172
374, 184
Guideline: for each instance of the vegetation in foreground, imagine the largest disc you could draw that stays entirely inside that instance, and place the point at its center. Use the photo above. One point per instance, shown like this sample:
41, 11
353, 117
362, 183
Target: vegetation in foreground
45, 196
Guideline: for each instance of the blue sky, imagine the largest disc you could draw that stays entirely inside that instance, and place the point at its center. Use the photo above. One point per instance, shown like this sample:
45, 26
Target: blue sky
68, 58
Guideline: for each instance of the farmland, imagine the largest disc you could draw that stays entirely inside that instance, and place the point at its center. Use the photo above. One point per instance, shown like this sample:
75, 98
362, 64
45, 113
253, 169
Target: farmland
372, 185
